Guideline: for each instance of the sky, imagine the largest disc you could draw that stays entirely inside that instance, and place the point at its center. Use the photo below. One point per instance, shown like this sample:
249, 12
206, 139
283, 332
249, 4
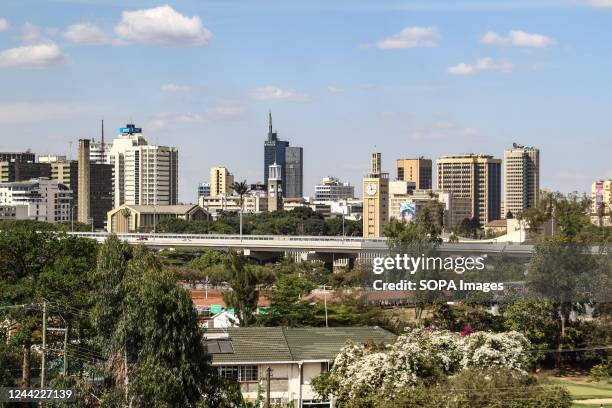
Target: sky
342, 78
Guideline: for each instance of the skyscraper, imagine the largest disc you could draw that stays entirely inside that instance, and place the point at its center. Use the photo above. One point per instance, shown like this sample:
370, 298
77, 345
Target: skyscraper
143, 174
521, 178
294, 172
473, 176
375, 199
290, 159
417, 170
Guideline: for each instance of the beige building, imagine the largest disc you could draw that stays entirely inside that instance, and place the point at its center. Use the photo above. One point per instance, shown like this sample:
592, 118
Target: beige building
476, 177
417, 170
521, 178
253, 203
221, 181
275, 189
601, 203
144, 218
375, 199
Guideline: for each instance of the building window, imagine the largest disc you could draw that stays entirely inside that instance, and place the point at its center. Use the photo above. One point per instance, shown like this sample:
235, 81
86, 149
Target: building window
239, 373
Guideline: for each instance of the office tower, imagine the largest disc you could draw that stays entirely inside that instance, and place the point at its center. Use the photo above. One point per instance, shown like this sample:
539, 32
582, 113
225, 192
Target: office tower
521, 178
332, 189
23, 171
275, 189
294, 172
221, 181
417, 170
601, 203
375, 199
204, 190
473, 176
100, 187
143, 174
38, 199
289, 158
84, 175
23, 157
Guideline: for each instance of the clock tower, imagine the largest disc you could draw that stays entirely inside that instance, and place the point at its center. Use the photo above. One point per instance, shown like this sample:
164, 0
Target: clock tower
375, 199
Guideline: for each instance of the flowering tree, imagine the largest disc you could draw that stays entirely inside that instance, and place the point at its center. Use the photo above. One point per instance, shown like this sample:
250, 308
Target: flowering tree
363, 372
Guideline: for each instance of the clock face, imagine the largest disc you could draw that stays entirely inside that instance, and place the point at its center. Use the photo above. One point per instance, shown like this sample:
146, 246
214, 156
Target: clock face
371, 190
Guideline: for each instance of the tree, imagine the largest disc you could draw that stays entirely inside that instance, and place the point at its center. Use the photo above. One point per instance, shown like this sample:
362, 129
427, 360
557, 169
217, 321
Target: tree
241, 188
509, 215
243, 294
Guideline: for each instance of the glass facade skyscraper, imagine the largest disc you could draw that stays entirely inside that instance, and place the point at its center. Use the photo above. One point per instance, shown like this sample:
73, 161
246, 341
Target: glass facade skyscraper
288, 158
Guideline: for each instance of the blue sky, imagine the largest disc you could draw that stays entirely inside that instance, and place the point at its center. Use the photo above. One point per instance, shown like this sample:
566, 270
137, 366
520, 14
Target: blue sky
410, 78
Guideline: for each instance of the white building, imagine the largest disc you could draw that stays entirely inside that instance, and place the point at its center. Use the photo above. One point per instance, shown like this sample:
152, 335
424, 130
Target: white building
521, 178
253, 203
143, 174
332, 189
38, 200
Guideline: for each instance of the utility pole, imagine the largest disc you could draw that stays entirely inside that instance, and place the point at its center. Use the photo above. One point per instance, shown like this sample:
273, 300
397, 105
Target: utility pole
268, 376
325, 297
65, 368
44, 346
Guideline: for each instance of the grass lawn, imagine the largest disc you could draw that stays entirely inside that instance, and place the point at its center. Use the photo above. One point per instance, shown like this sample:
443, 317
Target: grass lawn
580, 389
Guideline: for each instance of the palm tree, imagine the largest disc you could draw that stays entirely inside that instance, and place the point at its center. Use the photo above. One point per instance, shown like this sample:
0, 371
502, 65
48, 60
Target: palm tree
241, 188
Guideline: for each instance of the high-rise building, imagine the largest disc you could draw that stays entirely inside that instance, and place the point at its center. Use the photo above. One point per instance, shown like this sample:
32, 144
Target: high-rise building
290, 159
416, 170
23, 171
294, 172
375, 199
41, 199
473, 176
143, 174
100, 187
521, 178
275, 190
84, 177
221, 181
332, 189
204, 190
601, 203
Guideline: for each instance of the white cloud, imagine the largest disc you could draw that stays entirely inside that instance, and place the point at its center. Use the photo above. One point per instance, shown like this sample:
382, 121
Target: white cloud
517, 38
483, 64
221, 113
90, 34
28, 112
162, 26
335, 89
32, 56
410, 37
271, 93
599, 3
4, 25
31, 34
174, 88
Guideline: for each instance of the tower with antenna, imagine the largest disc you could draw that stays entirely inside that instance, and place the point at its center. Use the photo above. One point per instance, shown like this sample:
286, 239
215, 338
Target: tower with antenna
102, 145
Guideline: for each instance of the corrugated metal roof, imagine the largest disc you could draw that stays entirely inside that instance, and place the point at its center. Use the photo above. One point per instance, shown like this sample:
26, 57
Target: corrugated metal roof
270, 344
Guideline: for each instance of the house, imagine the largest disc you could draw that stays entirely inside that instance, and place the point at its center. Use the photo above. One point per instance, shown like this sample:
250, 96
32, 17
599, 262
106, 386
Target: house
501, 227
295, 356
135, 218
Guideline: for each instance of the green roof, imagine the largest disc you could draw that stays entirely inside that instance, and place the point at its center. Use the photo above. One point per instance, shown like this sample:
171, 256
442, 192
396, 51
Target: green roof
284, 344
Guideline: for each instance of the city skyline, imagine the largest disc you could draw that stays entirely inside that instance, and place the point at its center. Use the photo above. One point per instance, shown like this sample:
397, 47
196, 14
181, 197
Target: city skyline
407, 78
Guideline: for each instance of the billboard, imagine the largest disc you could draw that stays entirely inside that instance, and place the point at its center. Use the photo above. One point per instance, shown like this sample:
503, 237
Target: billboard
407, 212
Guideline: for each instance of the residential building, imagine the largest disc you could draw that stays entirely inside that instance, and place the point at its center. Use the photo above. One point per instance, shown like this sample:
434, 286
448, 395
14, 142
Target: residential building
46, 200
521, 178
473, 176
290, 160
375, 199
204, 190
418, 171
601, 203
144, 218
143, 174
221, 181
294, 356
13, 212
275, 190
332, 189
